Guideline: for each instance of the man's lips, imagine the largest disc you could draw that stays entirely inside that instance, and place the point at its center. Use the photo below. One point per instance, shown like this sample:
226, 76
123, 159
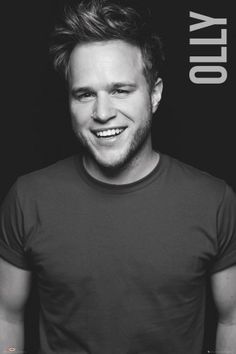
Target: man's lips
108, 132
108, 128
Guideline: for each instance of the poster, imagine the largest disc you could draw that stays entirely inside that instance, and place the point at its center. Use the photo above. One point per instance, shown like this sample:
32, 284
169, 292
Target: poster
195, 121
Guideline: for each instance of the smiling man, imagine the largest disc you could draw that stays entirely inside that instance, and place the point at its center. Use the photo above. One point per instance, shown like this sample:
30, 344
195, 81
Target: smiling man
112, 108
122, 238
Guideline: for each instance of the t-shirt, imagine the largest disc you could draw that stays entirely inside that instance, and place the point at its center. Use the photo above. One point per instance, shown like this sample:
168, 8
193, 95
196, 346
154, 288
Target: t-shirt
121, 269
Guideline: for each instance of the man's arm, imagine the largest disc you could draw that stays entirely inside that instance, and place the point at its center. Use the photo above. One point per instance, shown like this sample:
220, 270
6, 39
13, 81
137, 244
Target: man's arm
14, 291
224, 293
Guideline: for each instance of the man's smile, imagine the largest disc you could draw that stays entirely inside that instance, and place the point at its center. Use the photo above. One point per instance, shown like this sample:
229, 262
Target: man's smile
109, 132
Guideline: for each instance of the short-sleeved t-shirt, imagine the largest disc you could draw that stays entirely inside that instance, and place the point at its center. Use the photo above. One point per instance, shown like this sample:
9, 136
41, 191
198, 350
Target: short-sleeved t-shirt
120, 269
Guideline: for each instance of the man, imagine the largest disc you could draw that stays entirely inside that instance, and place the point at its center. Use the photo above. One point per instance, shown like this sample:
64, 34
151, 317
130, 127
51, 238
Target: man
122, 239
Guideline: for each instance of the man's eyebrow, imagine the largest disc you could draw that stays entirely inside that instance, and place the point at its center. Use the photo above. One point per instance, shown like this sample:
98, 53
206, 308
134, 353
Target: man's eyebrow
112, 85
122, 84
76, 90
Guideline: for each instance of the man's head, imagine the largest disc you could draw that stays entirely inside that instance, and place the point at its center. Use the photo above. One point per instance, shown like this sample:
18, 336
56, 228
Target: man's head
103, 20
111, 60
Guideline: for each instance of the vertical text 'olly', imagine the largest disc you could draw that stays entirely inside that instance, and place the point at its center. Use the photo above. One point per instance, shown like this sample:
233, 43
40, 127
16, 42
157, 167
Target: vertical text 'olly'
199, 73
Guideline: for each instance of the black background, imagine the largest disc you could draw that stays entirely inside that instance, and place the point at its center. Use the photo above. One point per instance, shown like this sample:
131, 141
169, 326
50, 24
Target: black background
195, 123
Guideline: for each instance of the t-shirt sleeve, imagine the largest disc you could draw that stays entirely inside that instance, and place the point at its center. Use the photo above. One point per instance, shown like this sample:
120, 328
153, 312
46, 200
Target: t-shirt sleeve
12, 230
226, 232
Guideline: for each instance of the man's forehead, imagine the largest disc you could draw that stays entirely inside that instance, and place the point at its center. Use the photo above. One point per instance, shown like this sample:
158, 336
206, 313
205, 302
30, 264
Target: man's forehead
106, 43
113, 52
112, 60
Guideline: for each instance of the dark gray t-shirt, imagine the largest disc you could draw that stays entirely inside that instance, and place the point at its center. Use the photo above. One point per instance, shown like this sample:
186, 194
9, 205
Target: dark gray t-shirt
120, 269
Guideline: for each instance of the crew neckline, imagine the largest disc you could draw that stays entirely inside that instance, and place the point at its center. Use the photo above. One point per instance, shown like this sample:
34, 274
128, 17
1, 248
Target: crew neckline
119, 188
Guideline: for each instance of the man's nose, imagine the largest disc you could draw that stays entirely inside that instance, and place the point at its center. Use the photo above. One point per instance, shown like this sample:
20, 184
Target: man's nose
103, 108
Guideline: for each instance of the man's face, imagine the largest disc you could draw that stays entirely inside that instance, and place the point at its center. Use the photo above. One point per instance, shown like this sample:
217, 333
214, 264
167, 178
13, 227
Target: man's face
110, 101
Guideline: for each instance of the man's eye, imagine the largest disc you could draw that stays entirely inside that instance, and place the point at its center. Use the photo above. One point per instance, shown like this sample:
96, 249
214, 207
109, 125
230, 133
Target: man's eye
120, 92
85, 96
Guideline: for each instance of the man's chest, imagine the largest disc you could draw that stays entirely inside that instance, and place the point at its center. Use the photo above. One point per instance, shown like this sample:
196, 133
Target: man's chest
98, 246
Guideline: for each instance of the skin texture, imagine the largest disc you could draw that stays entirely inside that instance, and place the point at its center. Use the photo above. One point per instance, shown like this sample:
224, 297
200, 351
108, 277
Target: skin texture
224, 293
108, 89
14, 292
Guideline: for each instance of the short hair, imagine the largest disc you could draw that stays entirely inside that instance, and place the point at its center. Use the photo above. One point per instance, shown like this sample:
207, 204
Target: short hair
103, 20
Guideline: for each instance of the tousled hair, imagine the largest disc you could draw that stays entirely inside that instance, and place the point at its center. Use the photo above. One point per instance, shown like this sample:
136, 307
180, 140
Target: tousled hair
104, 20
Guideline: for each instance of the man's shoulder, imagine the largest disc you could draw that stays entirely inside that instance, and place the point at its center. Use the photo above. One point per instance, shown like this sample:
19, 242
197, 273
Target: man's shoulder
60, 172
192, 178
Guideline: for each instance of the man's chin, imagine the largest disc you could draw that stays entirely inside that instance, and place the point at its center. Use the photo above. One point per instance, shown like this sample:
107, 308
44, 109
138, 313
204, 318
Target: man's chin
111, 164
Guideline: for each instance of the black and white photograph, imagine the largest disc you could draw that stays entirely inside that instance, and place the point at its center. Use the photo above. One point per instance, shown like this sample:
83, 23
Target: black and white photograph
118, 177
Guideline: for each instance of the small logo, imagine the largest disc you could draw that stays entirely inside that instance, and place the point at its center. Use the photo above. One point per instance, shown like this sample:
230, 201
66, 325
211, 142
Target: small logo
13, 350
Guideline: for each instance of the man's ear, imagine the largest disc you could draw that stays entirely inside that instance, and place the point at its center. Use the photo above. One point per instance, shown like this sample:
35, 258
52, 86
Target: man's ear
156, 94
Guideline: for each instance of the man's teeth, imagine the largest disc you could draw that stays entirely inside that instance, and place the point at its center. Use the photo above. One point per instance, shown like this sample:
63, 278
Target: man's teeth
110, 132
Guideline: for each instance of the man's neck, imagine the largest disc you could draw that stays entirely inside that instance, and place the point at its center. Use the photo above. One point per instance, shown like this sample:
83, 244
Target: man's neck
136, 170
